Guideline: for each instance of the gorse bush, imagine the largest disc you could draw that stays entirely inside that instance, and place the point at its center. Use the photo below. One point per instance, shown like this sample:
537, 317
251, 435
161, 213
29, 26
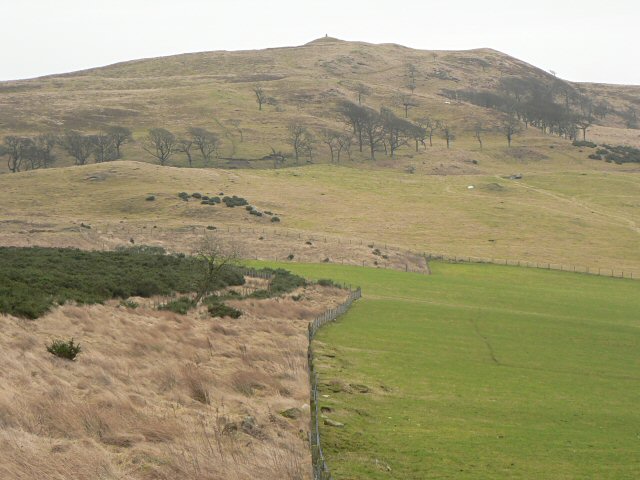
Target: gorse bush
129, 304
67, 350
181, 305
282, 282
234, 201
34, 279
584, 143
219, 309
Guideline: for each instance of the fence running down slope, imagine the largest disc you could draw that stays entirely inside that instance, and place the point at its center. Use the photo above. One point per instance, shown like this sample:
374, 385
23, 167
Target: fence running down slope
320, 468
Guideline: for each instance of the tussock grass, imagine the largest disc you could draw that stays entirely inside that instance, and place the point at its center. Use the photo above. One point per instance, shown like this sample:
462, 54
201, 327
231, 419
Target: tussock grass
151, 395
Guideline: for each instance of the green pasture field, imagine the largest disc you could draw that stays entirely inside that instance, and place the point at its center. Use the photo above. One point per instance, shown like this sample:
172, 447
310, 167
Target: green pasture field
482, 371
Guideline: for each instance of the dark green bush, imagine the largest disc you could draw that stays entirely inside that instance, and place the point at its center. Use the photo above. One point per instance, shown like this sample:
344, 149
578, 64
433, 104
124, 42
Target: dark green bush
197, 195
67, 350
584, 143
34, 279
248, 208
150, 198
282, 282
595, 156
221, 310
181, 305
326, 282
184, 196
275, 219
129, 304
234, 201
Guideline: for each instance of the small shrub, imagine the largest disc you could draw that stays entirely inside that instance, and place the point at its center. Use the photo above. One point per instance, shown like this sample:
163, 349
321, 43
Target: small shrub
182, 305
326, 282
67, 350
150, 198
248, 208
196, 195
595, 156
290, 256
308, 242
184, 196
210, 227
84, 225
129, 304
205, 197
234, 201
219, 309
583, 143
267, 212
602, 151
275, 219
377, 252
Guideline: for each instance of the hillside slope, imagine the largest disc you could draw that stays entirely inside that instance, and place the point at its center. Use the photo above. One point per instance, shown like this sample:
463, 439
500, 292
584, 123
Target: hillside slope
215, 90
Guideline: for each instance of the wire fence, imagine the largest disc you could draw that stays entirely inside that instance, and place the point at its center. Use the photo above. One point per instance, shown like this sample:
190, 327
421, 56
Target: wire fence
320, 468
603, 272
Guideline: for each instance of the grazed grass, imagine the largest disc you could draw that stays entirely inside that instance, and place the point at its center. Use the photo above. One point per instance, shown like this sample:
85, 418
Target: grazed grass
580, 216
482, 372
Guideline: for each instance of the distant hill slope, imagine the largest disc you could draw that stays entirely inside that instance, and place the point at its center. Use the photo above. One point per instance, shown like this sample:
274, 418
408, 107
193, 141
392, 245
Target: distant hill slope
215, 90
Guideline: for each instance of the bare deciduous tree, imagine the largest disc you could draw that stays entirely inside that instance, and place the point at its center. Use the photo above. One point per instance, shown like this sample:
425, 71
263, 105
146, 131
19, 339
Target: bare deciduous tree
345, 141
373, 130
411, 77
510, 127
185, 145
309, 145
406, 102
15, 148
331, 139
261, 97
296, 139
216, 257
119, 136
77, 145
397, 130
42, 152
447, 133
206, 142
161, 144
104, 149
354, 115
362, 91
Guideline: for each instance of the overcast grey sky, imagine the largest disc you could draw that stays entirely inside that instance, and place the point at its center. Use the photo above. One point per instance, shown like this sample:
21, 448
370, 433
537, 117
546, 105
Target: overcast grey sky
585, 40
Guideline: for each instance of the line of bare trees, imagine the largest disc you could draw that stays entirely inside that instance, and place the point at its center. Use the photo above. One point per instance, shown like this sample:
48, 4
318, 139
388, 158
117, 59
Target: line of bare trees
31, 153
163, 144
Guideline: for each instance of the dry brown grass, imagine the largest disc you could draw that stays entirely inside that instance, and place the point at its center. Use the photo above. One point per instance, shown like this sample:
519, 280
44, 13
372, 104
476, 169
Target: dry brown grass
155, 395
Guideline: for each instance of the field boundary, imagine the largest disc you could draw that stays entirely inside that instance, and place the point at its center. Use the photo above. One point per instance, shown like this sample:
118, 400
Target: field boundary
320, 468
598, 271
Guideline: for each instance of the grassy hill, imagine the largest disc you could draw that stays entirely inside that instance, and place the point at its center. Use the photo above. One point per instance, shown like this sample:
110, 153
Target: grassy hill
573, 215
215, 90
